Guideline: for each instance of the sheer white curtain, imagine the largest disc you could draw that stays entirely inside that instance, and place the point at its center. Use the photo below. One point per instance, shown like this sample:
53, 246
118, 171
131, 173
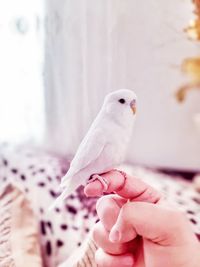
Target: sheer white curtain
78, 67
21, 84
93, 47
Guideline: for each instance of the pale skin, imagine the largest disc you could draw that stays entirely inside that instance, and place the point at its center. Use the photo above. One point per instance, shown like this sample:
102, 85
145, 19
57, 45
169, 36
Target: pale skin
143, 231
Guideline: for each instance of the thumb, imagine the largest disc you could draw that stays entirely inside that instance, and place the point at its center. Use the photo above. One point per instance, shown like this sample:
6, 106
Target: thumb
156, 223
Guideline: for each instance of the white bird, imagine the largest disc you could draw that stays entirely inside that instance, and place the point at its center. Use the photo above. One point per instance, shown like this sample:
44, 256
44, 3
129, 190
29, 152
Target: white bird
105, 144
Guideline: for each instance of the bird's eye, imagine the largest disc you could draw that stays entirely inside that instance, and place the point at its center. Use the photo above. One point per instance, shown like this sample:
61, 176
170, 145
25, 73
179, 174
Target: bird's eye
122, 100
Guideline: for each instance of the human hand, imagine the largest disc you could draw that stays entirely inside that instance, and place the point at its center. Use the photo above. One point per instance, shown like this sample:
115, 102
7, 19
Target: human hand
143, 232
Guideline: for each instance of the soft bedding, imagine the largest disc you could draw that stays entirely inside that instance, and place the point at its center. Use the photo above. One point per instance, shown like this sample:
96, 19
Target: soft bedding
62, 231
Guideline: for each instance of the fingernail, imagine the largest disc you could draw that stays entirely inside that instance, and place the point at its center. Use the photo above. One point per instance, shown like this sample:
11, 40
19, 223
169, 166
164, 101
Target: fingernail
114, 236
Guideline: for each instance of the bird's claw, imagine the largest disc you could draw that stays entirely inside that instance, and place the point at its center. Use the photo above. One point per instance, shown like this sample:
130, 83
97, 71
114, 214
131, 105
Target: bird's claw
101, 179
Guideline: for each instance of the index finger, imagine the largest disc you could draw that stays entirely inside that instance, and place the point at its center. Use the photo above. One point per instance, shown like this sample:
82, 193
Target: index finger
125, 185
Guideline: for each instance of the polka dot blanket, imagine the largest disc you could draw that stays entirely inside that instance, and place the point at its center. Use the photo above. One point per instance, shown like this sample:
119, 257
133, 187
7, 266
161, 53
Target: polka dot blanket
63, 230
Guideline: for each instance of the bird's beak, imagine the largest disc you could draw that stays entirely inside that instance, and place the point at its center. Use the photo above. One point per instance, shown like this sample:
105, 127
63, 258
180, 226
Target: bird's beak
133, 106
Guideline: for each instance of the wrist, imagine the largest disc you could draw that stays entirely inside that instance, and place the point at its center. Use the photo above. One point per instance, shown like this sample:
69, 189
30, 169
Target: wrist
189, 256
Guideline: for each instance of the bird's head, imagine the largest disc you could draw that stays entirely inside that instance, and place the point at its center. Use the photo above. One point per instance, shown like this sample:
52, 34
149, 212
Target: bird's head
121, 105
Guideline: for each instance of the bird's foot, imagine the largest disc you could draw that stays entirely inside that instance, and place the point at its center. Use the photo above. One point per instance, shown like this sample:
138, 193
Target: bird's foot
101, 179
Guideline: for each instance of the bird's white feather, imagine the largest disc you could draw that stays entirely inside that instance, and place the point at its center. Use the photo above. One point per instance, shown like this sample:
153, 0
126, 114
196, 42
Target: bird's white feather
104, 145
89, 150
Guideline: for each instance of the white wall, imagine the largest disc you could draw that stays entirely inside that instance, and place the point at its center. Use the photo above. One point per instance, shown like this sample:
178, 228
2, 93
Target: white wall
94, 47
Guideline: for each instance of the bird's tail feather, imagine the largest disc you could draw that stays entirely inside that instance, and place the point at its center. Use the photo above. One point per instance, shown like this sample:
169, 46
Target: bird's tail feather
69, 186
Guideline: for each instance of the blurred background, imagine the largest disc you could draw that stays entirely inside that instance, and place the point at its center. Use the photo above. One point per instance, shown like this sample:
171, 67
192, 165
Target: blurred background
58, 59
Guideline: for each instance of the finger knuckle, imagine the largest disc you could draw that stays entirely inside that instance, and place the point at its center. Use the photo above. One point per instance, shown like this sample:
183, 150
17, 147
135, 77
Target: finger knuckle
129, 208
101, 201
107, 209
98, 203
96, 231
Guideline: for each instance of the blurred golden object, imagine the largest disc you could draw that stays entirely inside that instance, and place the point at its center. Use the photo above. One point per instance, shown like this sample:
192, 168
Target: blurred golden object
181, 93
197, 7
193, 30
191, 67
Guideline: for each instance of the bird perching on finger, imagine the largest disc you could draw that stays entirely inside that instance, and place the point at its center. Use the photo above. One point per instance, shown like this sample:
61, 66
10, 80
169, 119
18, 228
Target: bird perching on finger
104, 146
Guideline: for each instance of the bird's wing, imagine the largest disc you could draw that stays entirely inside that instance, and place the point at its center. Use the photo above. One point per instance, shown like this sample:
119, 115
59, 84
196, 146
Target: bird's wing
88, 151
